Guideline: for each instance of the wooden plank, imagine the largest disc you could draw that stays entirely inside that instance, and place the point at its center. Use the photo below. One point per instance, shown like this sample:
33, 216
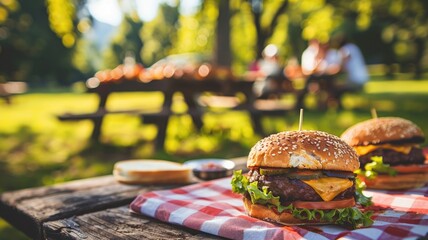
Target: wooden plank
125, 85
28, 209
117, 223
12, 210
75, 185
100, 113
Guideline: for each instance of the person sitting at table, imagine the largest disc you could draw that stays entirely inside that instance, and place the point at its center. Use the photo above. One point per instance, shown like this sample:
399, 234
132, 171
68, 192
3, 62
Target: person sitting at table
353, 70
267, 73
320, 64
353, 64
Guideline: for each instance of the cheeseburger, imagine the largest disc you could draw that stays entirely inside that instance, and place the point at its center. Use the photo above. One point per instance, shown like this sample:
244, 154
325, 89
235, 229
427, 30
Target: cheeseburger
301, 177
389, 152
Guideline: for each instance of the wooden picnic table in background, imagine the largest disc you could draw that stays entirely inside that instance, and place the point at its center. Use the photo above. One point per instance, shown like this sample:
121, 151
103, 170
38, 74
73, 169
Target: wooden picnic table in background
191, 89
93, 208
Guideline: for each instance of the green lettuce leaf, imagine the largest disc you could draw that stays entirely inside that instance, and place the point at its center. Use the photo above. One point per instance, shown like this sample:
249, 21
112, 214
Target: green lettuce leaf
360, 197
264, 197
350, 216
239, 182
345, 216
372, 169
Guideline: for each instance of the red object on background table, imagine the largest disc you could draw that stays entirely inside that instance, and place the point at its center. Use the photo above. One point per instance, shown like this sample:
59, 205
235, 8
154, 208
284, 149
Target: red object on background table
211, 207
425, 151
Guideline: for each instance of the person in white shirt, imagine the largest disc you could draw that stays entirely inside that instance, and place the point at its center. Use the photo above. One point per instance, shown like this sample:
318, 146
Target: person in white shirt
320, 64
268, 74
353, 65
311, 57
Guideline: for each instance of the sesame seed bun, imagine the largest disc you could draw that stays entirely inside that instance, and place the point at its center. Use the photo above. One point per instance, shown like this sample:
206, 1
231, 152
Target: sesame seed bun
383, 130
314, 150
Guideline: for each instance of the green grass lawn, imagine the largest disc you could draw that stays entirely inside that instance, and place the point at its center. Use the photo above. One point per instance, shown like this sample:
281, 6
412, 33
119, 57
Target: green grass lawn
36, 149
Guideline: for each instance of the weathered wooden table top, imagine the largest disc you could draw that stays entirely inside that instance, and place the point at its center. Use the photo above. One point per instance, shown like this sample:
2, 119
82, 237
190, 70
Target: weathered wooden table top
94, 208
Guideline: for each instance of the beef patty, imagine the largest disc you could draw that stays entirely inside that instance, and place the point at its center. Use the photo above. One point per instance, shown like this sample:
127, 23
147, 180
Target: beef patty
394, 158
290, 190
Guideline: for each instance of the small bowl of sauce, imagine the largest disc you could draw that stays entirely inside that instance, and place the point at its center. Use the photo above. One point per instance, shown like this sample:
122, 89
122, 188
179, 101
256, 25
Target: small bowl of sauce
211, 168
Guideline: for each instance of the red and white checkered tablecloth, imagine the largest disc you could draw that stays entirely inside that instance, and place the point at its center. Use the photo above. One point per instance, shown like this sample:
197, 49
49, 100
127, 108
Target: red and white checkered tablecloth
211, 207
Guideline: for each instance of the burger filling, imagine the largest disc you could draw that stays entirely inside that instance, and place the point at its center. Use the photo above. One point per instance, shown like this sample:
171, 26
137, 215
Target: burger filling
393, 158
325, 196
312, 186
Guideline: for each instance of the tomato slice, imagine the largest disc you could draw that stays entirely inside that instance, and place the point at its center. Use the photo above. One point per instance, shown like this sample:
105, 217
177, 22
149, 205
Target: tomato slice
425, 152
325, 205
414, 168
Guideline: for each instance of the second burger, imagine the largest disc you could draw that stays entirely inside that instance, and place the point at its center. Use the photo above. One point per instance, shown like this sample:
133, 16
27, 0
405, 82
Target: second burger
389, 152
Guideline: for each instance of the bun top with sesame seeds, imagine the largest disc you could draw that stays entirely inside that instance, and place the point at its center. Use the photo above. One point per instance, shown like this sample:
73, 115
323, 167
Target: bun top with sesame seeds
314, 150
383, 130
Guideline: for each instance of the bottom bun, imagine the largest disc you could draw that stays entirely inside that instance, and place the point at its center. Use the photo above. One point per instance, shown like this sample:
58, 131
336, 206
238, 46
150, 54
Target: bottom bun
267, 214
399, 182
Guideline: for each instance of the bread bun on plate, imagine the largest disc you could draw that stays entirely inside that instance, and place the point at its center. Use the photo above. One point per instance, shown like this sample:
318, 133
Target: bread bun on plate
301, 177
389, 152
151, 172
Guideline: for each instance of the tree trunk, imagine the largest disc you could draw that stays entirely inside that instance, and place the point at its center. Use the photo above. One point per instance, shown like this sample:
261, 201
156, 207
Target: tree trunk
263, 34
420, 51
222, 53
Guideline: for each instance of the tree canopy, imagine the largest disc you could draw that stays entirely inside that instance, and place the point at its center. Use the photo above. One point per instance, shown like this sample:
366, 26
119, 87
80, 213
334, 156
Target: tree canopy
48, 40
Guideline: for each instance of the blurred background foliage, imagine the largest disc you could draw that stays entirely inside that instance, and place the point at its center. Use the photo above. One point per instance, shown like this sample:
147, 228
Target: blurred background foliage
61, 42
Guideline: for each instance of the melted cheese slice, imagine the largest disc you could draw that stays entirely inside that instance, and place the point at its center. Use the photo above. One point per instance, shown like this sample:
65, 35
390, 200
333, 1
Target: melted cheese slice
363, 150
329, 187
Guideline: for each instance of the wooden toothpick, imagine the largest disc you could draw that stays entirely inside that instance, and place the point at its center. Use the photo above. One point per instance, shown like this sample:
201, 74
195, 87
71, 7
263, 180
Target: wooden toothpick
374, 113
301, 119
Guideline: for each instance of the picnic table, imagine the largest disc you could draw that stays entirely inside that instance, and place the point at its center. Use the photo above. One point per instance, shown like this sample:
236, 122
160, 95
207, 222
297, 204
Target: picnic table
99, 208
191, 90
